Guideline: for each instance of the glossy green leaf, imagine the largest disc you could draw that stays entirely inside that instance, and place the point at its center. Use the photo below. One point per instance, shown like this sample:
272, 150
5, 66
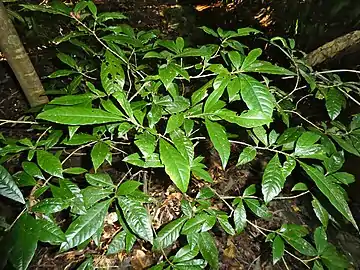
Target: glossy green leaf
169, 233
320, 238
201, 93
85, 226
261, 134
128, 187
93, 195
273, 179
49, 163
99, 179
219, 85
251, 58
202, 174
299, 187
80, 138
136, 217
298, 243
334, 162
233, 89
278, 248
208, 249
8, 187
236, 59
99, 153
224, 223
61, 73
50, 205
344, 177
72, 99
194, 224
112, 74
186, 253
32, 169
25, 238
240, 217
268, 68
219, 139
175, 121
176, 166
334, 101
331, 191
259, 210
50, 232
75, 170
117, 243
205, 193
105, 16
320, 212
154, 115
73, 115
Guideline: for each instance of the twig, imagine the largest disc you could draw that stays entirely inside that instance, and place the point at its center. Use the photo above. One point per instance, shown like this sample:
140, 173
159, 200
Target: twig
5, 121
301, 99
291, 93
16, 219
292, 197
303, 118
337, 71
261, 148
348, 95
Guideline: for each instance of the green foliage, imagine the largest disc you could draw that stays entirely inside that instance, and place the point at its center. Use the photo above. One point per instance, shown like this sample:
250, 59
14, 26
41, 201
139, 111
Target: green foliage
162, 98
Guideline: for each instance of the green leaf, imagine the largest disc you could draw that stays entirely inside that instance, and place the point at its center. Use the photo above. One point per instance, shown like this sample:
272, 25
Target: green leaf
67, 59
22, 179
125, 104
208, 249
72, 115
288, 166
334, 101
61, 73
233, 89
87, 264
256, 95
136, 217
176, 166
219, 85
306, 147
169, 233
75, 170
202, 174
259, 210
273, 179
24, 242
80, 138
278, 248
344, 177
299, 187
8, 187
167, 75
300, 244
112, 74
105, 16
128, 187
236, 59
333, 259
335, 162
154, 115
346, 144
317, 265
186, 253
251, 58
195, 224
93, 195
261, 134
98, 154
320, 238
240, 217
50, 205
224, 223
289, 135
205, 193
219, 139
99, 179
268, 68
331, 191
72, 99
201, 93
209, 31
50, 232
183, 144
117, 243
49, 163
250, 190
175, 121
320, 212
32, 169
85, 226
247, 119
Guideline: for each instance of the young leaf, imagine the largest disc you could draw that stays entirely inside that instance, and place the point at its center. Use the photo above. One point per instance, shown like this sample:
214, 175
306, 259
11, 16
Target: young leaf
240, 217
219, 138
219, 85
169, 233
99, 153
85, 226
334, 102
299, 187
331, 191
278, 248
335, 162
261, 134
8, 187
75, 170
73, 115
176, 166
273, 179
175, 121
251, 58
136, 217
320, 238
208, 249
49, 163
128, 187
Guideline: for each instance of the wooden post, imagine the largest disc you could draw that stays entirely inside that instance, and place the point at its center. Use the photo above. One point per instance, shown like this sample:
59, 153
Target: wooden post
19, 61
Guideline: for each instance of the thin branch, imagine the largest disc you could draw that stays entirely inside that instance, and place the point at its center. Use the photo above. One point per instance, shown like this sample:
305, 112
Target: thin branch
303, 118
292, 197
348, 95
261, 148
337, 71
5, 121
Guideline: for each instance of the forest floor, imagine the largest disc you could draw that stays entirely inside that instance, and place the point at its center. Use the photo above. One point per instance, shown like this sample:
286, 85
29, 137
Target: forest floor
244, 251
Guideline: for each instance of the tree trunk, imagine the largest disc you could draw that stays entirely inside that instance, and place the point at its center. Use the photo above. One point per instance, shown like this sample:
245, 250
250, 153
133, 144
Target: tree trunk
19, 61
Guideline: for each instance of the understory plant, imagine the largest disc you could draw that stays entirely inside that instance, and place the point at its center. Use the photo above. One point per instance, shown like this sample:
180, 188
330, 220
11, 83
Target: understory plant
153, 102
